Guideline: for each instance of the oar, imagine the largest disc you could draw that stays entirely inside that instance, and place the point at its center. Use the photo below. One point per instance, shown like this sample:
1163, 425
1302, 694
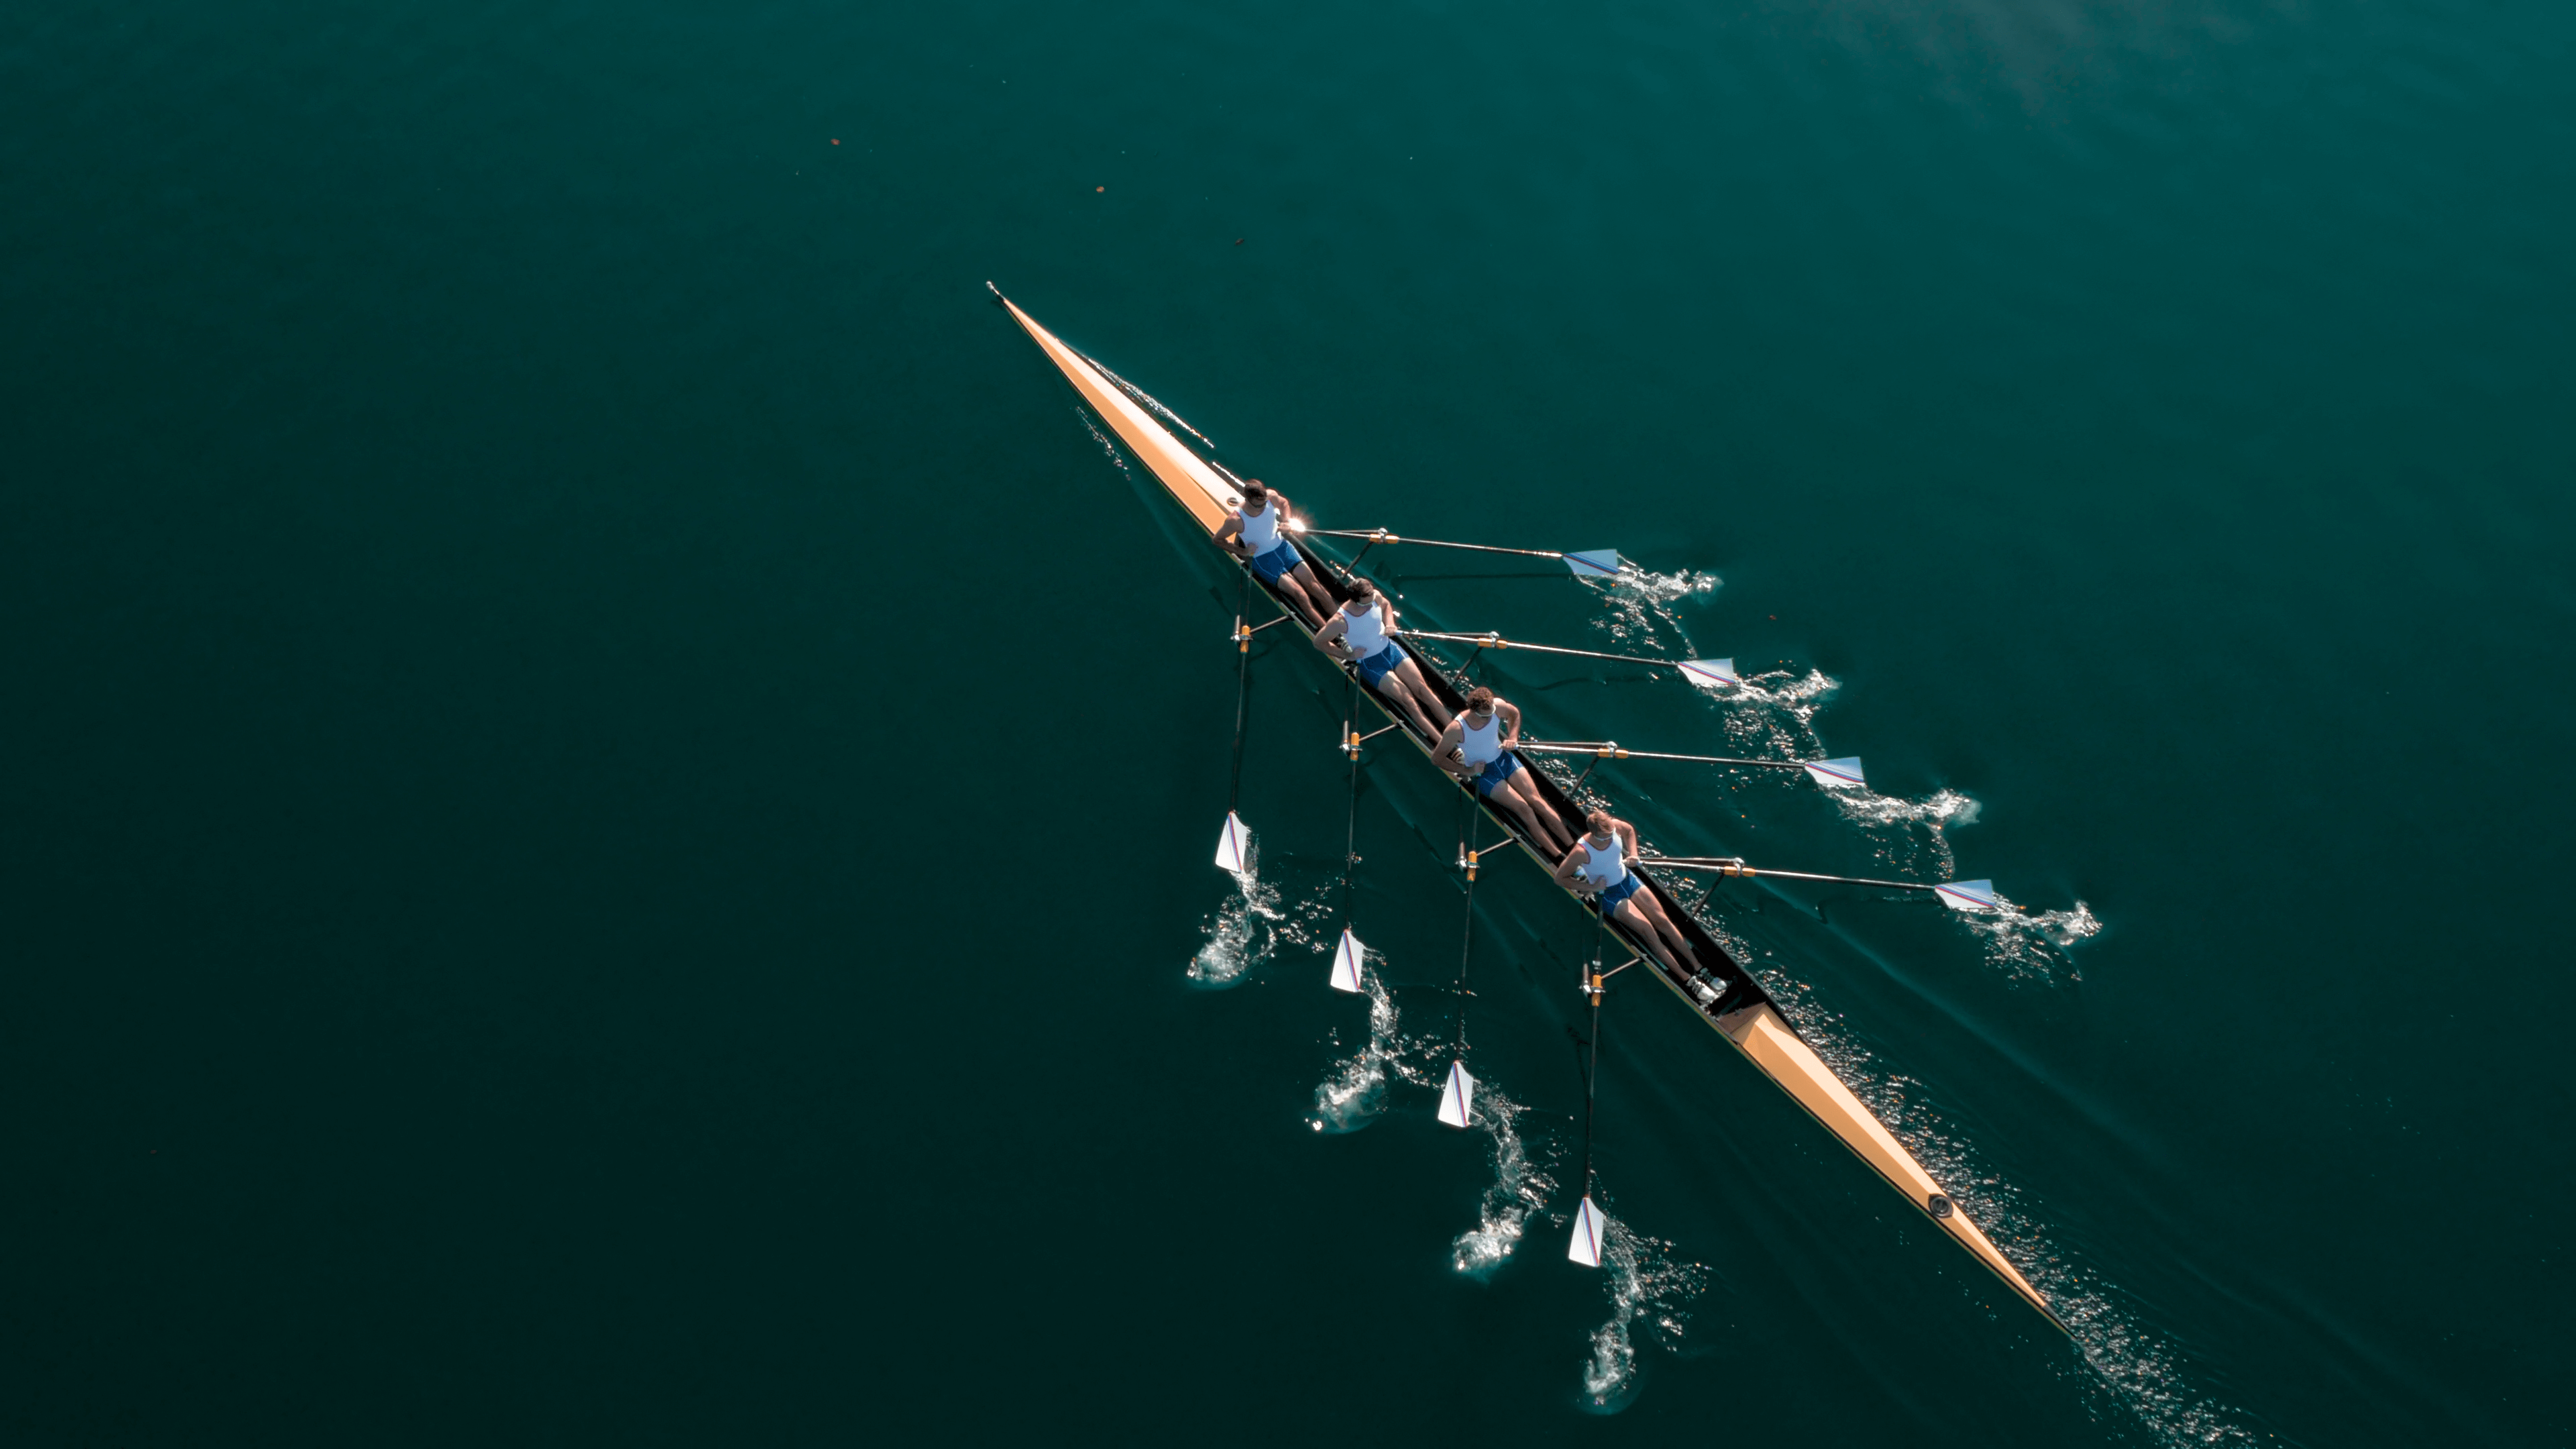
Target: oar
1232, 843
1599, 563
1458, 1094
1958, 895
1589, 1226
1350, 954
1843, 774
1710, 673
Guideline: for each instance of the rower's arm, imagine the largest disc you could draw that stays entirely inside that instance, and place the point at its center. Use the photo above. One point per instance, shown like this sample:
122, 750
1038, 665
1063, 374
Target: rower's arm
1571, 866
1511, 714
1228, 531
1331, 632
1450, 739
1628, 841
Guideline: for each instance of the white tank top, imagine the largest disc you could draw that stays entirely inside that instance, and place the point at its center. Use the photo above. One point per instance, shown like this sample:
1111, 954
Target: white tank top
1260, 530
1480, 746
1365, 633
1604, 866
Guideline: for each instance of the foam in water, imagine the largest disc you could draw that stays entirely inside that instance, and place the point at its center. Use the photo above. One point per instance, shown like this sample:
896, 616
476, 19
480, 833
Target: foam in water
1353, 1092
1772, 715
1244, 931
1637, 603
2136, 1377
2034, 946
1944, 810
1645, 1285
1520, 1188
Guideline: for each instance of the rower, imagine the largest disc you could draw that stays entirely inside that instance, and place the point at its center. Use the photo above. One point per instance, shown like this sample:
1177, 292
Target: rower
1477, 748
1597, 867
1252, 532
1357, 635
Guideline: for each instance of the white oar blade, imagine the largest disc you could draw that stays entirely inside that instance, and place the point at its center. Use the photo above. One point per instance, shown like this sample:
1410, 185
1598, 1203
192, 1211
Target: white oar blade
1458, 1097
1836, 774
1233, 844
1346, 963
1969, 895
1588, 1228
1600, 563
1711, 673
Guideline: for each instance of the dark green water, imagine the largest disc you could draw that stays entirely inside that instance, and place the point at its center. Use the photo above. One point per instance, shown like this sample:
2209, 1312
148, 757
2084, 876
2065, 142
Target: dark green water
520, 552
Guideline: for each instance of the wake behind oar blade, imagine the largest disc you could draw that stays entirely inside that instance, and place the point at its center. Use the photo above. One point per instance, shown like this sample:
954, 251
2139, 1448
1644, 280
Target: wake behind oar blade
1233, 844
1841, 774
1588, 1229
1710, 673
1458, 1096
1599, 563
1346, 963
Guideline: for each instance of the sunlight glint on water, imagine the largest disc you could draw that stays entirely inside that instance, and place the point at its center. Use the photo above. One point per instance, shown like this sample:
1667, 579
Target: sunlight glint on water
1520, 1188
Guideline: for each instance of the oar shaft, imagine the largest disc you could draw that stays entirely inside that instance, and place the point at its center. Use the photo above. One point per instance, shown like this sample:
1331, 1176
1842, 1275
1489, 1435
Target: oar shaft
1495, 641
1609, 751
1739, 868
1380, 535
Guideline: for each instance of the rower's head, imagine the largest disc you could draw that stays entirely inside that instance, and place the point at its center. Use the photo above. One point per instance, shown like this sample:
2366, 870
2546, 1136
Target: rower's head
1255, 497
1480, 702
1601, 823
1363, 596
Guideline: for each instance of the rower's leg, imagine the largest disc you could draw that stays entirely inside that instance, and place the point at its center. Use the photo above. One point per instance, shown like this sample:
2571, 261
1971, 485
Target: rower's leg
1663, 923
1534, 805
1312, 598
1509, 796
1399, 684
1529, 818
1628, 911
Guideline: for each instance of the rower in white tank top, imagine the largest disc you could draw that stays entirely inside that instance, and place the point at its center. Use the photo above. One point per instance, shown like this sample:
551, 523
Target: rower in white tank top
1480, 745
1604, 862
1360, 634
1365, 632
1260, 525
1477, 749
1619, 894
1256, 532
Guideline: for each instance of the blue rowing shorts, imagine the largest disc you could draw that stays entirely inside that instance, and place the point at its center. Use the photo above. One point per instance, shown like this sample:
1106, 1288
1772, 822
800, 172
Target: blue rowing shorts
1278, 563
1609, 900
1498, 769
1376, 666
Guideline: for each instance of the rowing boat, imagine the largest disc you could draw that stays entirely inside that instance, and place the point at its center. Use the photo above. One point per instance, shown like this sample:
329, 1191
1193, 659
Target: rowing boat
1729, 999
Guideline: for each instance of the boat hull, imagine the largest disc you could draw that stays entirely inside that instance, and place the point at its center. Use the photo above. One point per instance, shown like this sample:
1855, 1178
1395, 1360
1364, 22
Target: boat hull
1742, 1012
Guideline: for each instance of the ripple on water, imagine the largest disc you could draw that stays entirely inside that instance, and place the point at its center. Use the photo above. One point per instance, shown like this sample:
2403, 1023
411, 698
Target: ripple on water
1520, 1188
1648, 1288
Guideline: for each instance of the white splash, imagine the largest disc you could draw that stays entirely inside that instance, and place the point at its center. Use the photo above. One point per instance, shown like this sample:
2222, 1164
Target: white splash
1773, 714
1637, 602
1520, 1188
1946, 809
1645, 1283
2033, 946
1244, 931
1353, 1092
